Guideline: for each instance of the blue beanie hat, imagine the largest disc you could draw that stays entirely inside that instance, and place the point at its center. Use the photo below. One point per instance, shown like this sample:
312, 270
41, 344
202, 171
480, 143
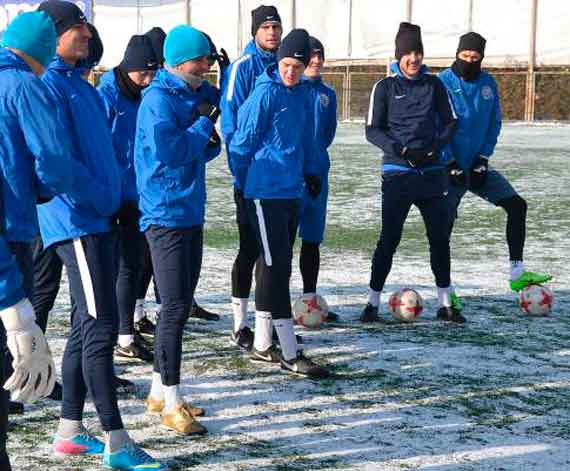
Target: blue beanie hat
185, 43
34, 34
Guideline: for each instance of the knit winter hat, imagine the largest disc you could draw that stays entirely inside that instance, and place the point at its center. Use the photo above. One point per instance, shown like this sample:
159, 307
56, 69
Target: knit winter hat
316, 47
139, 55
295, 45
34, 34
185, 43
263, 14
408, 39
65, 15
472, 42
95, 47
157, 37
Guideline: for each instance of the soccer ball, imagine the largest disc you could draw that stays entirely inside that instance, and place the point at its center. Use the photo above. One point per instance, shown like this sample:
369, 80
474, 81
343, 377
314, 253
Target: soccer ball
536, 300
310, 310
406, 305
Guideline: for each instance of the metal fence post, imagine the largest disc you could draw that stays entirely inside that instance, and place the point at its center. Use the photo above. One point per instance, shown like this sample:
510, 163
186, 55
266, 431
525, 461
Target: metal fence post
531, 76
409, 10
188, 11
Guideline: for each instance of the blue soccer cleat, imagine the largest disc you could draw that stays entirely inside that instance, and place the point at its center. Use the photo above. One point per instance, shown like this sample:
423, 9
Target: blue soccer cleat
80, 444
132, 458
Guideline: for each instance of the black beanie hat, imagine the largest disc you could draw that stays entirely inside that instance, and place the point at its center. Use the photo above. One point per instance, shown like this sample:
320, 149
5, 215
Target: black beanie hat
408, 39
157, 37
139, 55
295, 45
95, 47
472, 42
263, 14
65, 15
316, 47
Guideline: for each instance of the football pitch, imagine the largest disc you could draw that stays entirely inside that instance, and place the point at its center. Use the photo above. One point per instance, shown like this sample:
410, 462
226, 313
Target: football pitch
493, 394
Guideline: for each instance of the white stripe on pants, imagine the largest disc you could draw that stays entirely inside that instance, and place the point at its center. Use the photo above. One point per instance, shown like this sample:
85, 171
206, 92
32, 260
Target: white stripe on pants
86, 280
263, 232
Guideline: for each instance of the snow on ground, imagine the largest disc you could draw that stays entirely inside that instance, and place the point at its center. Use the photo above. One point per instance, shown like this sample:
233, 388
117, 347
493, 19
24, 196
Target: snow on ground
491, 395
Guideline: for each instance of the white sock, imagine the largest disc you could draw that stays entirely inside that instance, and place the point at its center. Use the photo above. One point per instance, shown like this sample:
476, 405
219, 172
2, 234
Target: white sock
444, 296
374, 297
156, 391
139, 310
517, 269
287, 339
239, 308
69, 428
116, 439
263, 331
126, 340
171, 396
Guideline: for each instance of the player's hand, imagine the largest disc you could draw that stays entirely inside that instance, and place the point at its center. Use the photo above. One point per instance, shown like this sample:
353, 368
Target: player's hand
128, 214
314, 185
223, 59
479, 173
210, 111
456, 174
34, 370
215, 139
417, 157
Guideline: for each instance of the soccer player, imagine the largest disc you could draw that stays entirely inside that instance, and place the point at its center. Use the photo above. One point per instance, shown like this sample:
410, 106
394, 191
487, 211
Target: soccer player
314, 209
81, 231
411, 119
476, 100
259, 54
121, 89
272, 153
175, 139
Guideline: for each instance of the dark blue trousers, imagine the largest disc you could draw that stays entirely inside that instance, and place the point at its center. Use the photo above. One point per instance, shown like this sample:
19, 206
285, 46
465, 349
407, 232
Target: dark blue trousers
177, 260
275, 224
47, 280
91, 263
429, 192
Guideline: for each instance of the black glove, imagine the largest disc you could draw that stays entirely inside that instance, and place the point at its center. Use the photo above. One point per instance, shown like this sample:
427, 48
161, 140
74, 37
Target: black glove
128, 214
479, 173
223, 59
457, 175
215, 139
418, 157
314, 185
210, 111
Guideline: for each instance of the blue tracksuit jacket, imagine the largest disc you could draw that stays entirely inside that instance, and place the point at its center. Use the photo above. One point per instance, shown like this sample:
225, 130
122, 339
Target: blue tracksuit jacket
479, 110
274, 143
171, 152
98, 184
414, 113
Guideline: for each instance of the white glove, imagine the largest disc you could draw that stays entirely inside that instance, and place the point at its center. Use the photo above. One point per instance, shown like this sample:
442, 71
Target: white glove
34, 370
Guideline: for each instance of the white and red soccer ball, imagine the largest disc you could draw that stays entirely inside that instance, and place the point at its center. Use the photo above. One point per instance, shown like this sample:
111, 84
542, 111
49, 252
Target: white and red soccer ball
406, 305
536, 300
310, 310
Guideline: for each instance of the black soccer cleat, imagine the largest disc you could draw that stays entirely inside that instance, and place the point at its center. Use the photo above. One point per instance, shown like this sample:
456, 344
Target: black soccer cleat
145, 327
56, 393
450, 314
15, 408
332, 317
200, 313
243, 338
305, 366
135, 351
271, 355
275, 337
370, 314
123, 386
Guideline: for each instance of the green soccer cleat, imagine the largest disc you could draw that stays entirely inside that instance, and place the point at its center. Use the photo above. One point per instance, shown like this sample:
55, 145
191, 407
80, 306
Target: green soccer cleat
529, 278
456, 302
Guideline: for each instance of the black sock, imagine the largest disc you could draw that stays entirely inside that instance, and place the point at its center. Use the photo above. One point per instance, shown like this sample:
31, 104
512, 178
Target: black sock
309, 263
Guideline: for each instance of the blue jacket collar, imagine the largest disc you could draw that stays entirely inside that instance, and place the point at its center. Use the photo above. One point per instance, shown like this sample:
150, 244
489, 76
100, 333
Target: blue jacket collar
266, 56
59, 64
395, 69
169, 81
9, 60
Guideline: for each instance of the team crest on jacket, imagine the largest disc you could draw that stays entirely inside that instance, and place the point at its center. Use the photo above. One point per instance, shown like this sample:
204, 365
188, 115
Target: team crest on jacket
487, 92
325, 100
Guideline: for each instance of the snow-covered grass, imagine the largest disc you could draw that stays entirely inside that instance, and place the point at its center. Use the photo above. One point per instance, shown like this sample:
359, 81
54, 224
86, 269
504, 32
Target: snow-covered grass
491, 395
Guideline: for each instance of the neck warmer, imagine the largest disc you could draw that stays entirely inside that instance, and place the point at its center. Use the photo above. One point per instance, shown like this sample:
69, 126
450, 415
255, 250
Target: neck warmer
192, 80
126, 86
468, 71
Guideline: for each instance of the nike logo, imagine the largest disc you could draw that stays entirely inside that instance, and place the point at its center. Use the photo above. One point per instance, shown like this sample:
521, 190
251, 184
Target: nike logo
399, 97
298, 55
121, 113
283, 109
445, 193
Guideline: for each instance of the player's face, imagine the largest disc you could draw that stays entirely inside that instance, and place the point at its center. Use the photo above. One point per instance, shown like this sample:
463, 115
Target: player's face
411, 63
469, 56
198, 67
315, 66
291, 70
73, 45
268, 35
142, 77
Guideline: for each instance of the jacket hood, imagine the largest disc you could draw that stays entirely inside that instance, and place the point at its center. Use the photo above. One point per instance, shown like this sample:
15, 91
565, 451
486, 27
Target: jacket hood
9, 60
395, 69
266, 56
271, 76
59, 64
108, 78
